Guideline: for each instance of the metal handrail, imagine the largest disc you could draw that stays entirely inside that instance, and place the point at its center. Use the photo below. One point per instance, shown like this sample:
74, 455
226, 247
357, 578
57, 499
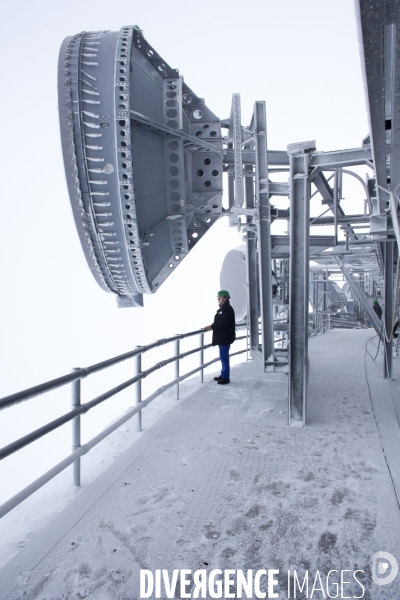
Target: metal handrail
79, 409
47, 386
84, 408
320, 322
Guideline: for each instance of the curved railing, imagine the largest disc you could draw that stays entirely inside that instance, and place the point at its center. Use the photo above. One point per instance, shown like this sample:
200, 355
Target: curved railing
79, 409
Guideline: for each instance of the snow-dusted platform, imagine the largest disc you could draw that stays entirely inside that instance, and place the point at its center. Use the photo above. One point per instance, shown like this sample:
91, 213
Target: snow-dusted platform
223, 483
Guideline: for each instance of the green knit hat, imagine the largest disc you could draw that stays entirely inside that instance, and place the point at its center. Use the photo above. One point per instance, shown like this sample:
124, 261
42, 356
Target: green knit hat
223, 293
376, 302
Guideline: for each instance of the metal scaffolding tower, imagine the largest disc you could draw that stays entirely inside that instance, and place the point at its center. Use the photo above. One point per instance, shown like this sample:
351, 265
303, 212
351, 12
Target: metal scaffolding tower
145, 157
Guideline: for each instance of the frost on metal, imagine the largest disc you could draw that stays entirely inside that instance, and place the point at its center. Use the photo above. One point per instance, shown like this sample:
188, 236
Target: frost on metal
143, 160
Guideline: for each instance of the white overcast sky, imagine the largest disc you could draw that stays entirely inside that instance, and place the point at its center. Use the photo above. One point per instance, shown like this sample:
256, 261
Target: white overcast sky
302, 58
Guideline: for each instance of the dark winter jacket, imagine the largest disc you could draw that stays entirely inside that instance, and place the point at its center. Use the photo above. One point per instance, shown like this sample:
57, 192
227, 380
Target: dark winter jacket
274, 284
377, 308
396, 329
224, 325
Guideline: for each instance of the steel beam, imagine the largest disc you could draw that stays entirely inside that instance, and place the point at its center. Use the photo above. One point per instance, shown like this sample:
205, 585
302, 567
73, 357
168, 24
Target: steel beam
300, 192
278, 188
330, 197
319, 160
372, 25
322, 185
379, 24
235, 138
361, 297
275, 157
263, 232
191, 142
388, 311
347, 219
326, 241
231, 187
251, 264
340, 158
325, 291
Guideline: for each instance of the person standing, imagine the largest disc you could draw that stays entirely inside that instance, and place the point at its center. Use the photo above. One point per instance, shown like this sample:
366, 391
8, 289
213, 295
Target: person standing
274, 282
224, 334
377, 309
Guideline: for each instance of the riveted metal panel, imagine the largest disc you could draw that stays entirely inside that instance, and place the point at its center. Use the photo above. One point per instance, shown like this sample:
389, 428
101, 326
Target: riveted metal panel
135, 138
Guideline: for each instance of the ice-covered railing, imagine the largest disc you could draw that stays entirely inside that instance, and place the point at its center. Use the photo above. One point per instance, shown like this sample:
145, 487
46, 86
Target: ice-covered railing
319, 322
79, 409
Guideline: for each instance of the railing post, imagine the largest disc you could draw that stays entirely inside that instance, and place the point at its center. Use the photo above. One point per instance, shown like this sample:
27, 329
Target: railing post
138, 391
177, 348
247, 339
202, 357
76, 430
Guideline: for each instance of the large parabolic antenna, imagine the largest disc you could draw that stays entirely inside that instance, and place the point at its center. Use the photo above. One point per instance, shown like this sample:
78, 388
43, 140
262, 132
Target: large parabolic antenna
143, 160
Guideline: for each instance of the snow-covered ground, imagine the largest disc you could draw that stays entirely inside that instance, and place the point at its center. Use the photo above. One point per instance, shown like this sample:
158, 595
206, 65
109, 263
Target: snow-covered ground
27, 520
221, 482
23, 523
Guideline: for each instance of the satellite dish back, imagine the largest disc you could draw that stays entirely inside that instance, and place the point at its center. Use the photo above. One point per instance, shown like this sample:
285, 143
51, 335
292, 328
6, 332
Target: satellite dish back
143, 160
233, 277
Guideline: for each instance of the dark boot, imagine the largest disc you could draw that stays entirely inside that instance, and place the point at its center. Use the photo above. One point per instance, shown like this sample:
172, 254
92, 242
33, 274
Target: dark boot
218, 378
223, 381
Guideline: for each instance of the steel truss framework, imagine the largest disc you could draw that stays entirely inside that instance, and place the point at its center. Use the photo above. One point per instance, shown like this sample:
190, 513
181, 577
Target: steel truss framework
144, 158
373, 252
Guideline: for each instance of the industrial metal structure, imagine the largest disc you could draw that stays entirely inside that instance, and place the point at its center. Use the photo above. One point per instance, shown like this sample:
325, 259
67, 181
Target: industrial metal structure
145, 157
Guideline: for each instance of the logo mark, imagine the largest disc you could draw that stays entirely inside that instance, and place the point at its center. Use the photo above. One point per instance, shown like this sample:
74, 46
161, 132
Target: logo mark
384, 568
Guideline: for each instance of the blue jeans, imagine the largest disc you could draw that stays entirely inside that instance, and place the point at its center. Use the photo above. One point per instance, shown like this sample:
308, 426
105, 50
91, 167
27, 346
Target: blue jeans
224, 356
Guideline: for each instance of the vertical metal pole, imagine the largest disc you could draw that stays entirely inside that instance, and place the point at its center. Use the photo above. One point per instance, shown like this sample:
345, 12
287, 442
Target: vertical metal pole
76, 430
202, 358
299, 155
325, 291
138, 391
321, 295
177, 346
252, 274
335, 206
314, 280
388, 313
247, 335
235, 136
264, 234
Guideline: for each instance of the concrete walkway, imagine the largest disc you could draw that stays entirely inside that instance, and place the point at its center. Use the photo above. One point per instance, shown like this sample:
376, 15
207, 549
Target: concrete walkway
223, 482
